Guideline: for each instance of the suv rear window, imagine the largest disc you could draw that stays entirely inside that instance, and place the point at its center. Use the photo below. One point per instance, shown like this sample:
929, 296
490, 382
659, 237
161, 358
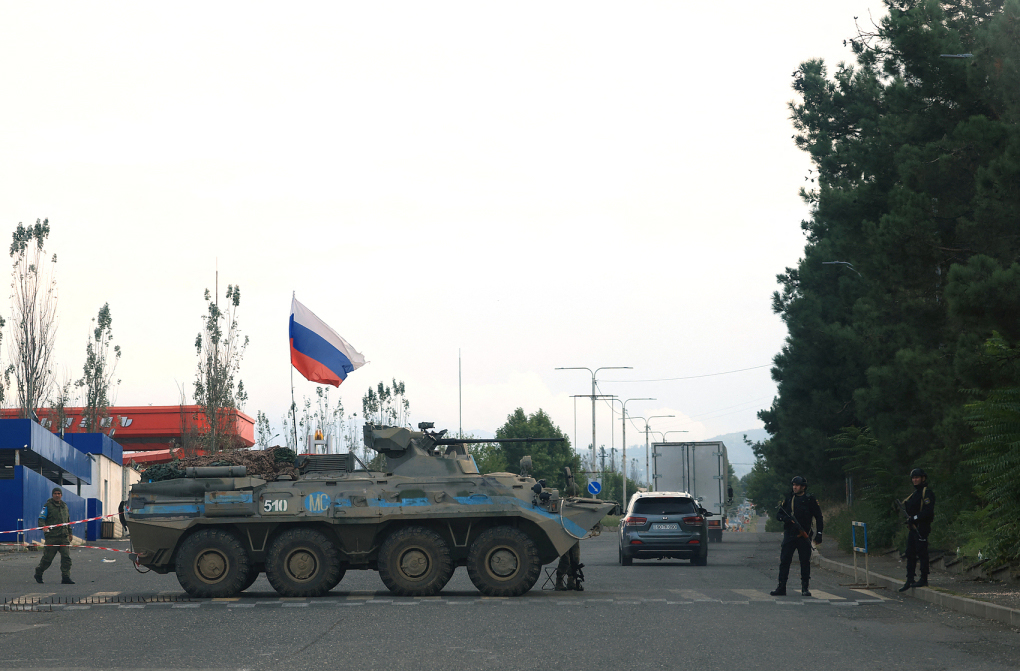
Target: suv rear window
656, 505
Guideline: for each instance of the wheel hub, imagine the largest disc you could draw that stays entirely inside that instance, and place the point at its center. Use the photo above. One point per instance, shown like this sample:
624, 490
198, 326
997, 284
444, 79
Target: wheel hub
414, 563
301, 564
210, 565
503, 563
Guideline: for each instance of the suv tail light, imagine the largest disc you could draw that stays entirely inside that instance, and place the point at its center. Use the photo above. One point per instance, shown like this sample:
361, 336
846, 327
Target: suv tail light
634, 521
696, 521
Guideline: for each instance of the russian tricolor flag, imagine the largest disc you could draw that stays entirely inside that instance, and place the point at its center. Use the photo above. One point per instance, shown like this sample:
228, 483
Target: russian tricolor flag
317, 351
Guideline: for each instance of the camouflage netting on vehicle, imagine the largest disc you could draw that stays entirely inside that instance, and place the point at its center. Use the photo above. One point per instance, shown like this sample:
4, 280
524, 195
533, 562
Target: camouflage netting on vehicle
268, 464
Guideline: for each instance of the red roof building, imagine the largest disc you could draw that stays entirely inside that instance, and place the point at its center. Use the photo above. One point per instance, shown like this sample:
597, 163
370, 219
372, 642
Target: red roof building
146, 431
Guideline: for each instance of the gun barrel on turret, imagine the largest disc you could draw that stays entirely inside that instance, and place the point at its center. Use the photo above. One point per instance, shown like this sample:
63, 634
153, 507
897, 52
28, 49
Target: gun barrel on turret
458, 441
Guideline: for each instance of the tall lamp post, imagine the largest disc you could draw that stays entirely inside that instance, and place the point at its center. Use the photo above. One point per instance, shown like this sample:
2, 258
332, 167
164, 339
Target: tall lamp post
669, 432
593, 373
648, 469
623, 420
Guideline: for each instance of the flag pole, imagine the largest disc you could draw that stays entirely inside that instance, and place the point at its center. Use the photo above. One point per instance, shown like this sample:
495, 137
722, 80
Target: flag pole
293, 404
460, 398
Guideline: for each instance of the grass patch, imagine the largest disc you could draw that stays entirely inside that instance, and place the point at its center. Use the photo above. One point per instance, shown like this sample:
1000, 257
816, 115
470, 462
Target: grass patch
611, 521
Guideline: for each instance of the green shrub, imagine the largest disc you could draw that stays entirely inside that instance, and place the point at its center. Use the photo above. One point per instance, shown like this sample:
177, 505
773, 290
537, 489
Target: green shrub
611, 522
971, 531
884, 528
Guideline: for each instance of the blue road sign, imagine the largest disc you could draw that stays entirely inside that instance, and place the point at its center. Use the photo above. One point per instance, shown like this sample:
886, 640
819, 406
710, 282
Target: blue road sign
594, 487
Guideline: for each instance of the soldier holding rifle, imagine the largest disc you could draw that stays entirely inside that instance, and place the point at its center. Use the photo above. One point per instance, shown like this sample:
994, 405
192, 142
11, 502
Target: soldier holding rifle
919, 508
796, 512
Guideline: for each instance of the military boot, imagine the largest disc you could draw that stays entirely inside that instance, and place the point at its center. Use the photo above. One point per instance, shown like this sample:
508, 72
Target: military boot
804, 591
38, 578
780, 590
923, 582
67, 580
907, 585
560, 587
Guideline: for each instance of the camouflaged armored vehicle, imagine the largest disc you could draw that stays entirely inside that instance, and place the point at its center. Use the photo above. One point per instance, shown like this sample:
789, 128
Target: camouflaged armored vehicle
429, 513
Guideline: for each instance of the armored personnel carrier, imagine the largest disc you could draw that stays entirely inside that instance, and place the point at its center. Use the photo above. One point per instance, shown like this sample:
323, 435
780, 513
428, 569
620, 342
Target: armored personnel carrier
430, 512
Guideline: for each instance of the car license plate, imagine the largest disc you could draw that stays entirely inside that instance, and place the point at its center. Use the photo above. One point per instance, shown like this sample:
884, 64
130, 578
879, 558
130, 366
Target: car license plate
665, 526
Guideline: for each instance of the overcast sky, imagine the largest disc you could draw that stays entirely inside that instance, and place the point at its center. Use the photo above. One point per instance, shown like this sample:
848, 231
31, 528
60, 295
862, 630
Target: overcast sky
531, 184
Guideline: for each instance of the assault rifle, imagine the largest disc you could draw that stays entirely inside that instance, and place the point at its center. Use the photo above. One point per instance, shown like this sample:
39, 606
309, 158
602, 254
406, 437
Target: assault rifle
906, 516
784, 516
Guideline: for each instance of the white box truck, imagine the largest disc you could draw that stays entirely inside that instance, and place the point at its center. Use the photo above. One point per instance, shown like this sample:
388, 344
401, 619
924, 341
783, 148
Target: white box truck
701, 469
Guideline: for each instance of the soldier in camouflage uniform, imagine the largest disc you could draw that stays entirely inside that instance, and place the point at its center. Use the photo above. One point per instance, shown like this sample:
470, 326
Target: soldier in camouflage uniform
57, 539
570, 562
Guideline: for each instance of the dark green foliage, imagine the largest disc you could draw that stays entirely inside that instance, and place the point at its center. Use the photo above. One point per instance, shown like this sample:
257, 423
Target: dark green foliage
24, 235
884, 529
97, 378
284, 455
33, 317
612, 487
488, 457
995, 455
763, 487
548, 459
218, 389
388, 403
915, 183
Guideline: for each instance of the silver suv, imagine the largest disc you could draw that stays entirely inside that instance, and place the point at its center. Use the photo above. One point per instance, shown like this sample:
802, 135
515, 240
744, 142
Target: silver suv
664, 524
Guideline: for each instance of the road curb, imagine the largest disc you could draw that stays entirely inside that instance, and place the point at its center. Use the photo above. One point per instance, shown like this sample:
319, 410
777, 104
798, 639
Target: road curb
961, 604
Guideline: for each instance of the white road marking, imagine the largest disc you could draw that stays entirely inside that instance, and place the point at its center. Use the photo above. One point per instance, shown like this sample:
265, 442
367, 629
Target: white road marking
693, 595
818, 594
873, 595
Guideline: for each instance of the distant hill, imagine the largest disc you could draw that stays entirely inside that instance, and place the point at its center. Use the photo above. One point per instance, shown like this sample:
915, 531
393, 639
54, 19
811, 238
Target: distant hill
739, 453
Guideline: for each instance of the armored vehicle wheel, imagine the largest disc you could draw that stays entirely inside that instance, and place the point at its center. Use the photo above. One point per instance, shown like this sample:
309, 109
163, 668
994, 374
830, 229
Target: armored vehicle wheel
253, 575
212, 563
503, 561
339, 576
302, 562
414, 561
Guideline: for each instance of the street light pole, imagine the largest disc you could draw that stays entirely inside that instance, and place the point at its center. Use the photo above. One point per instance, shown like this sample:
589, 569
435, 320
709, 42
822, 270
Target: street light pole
593, 373
623, 420
648, 468
671, 431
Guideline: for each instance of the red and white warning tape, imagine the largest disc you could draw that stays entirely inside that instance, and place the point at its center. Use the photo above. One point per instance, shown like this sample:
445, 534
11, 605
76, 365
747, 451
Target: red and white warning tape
65, 524
53, 526
80, 547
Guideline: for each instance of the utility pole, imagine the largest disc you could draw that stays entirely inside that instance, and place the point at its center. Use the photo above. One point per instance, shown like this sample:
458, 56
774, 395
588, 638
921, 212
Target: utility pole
594, 457
594, 396
623, 418
648, 469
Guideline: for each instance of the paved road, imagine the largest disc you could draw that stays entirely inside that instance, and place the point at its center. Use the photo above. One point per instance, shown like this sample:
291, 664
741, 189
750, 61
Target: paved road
655, 614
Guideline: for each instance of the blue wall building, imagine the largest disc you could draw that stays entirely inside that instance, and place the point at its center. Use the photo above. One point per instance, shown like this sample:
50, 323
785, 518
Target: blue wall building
33, 461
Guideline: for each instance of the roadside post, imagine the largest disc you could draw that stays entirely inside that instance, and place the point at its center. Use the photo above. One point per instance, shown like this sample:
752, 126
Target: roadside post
861, 549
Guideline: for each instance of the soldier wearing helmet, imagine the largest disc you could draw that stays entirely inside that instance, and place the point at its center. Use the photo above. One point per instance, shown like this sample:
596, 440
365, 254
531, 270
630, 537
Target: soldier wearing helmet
796, 512
920, 509
56, 515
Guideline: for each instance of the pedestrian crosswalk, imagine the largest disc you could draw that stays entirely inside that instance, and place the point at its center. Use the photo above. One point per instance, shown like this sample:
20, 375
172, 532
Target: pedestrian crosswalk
673, 597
